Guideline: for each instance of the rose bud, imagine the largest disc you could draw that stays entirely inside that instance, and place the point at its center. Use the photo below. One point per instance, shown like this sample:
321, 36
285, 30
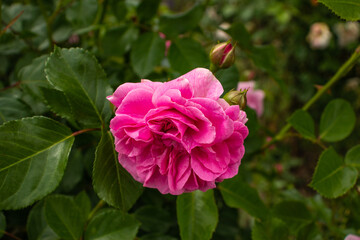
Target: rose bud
222, 56
236, 98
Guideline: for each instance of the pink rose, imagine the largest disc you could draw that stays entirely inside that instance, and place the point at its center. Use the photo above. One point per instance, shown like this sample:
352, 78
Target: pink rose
178, 136
255, 98
352, 237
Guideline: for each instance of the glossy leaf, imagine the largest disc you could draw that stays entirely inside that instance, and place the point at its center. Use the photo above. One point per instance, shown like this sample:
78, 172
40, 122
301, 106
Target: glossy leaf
34, 152
352, 157
64, 216
337, 121
169, 24
293, 213
57, 102
238, 194
82, 13
147, 9
331, 178
37, 227
346, 9
77, 73
229, 78
239, 34
32, 76
82, 200
153, 219
111, 181
273, 229
12, 109
112, 224
2, 224
74, 171
147, 53
197, 215
117, 41
186, 54
303, 123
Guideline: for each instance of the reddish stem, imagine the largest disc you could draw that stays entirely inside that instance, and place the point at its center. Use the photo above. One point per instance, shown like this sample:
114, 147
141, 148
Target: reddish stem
85, 130
11, 23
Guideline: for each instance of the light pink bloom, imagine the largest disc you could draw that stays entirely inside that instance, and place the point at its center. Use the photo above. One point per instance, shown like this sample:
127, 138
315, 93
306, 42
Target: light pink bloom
255, 98
319, 36
352, 237
178, 136
347, 32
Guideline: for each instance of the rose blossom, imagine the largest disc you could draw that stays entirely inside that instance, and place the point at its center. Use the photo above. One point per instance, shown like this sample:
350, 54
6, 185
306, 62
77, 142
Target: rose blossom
352, 237
178, 136
347, 33
254, 98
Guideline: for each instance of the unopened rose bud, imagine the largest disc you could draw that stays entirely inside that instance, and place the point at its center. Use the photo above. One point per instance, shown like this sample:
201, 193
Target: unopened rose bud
222, 55
236, 98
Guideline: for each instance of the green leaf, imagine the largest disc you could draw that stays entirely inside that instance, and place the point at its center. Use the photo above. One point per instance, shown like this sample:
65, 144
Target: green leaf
57, 102
239, 34
74, 171
37, 227
117, 41
34, 152
346, 9
294, 214
186, 54
147, 53
119, 9
111, 181
147, 9
112, 224
2, 224
331, 178
82, 13
77, 73
273, 229
32, 77
352, 157
12, 109
153, 219
82, 200
229, 78
197, 215
310, 232
303, 123
337, 121
238, 194
64, 216
169, 24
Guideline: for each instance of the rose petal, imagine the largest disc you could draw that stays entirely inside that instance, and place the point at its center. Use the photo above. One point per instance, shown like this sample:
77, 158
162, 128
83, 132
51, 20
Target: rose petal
204, 83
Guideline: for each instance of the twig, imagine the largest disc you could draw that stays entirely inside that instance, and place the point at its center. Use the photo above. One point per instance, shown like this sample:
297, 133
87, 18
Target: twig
11, 22
11, 86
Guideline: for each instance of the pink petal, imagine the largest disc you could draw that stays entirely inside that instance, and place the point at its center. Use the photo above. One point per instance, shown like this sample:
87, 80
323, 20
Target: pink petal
204, 83
136, 103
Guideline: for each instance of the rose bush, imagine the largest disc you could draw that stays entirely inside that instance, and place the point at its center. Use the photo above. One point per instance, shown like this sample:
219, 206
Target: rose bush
178, 136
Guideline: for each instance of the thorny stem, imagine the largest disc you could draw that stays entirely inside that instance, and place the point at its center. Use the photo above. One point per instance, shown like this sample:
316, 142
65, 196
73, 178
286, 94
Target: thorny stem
344, 69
